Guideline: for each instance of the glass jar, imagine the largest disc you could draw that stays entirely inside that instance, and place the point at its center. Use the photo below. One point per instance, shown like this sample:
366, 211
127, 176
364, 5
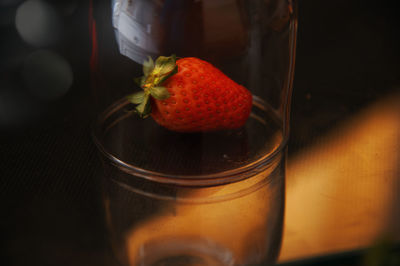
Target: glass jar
205, 196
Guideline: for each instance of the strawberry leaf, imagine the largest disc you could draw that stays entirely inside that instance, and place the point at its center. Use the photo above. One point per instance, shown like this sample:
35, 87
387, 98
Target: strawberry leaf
173, 72
165, 65
155, 73
148, 66
159, 93
136, 98
144, 108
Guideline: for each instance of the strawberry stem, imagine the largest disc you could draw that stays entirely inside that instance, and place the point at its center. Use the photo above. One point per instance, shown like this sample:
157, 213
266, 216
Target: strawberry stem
155, 74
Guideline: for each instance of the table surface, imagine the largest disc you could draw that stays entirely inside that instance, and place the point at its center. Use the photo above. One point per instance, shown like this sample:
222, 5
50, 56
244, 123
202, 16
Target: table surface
343, 178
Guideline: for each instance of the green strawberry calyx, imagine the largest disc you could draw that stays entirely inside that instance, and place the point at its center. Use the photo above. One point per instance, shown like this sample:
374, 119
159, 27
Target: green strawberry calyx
155, 73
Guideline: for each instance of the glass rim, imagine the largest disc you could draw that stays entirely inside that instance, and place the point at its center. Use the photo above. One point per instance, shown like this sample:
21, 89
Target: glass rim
217, 178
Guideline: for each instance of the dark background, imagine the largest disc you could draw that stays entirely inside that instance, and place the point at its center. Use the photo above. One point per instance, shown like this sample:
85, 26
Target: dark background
347, 57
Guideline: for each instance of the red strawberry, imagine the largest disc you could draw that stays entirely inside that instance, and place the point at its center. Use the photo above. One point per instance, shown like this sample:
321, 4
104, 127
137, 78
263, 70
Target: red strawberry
194, 96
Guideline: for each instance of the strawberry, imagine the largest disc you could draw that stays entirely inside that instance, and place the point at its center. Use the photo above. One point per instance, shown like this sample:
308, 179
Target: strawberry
190, 95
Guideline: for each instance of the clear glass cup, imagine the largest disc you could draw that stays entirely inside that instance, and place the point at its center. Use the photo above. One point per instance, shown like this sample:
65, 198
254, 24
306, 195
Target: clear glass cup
203, 198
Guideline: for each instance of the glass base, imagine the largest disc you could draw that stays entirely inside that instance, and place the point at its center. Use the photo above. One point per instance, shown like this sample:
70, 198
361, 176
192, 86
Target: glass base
183, 252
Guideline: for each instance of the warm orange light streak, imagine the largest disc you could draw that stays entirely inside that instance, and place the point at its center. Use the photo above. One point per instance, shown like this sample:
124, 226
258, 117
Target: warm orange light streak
343, 193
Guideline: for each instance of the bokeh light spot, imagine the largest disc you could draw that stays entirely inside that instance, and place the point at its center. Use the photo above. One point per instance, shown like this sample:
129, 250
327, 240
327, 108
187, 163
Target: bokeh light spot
38, 23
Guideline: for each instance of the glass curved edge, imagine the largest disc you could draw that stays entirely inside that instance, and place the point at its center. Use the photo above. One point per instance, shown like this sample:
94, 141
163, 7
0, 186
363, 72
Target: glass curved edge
223, 177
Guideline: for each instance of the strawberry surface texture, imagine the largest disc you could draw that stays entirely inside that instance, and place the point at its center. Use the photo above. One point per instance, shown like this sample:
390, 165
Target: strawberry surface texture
195, 97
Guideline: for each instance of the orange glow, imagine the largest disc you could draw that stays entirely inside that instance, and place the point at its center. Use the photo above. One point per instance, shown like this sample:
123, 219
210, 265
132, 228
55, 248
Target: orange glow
218, 221
341, 192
